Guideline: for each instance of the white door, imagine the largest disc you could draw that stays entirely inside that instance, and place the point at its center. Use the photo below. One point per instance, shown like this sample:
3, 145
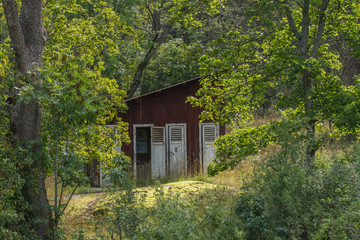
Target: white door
177, 164
158, 159
208, 134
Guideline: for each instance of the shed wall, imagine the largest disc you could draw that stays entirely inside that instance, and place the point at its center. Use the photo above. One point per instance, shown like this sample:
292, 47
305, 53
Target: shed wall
165, 107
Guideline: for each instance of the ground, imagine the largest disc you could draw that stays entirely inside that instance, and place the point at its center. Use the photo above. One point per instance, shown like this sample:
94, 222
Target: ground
84, 207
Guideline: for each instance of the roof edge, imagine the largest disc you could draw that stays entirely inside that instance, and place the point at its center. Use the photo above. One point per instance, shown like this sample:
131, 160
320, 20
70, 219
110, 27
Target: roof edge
162, 89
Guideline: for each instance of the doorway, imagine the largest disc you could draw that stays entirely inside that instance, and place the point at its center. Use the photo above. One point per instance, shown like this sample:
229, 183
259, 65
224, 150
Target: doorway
143, 152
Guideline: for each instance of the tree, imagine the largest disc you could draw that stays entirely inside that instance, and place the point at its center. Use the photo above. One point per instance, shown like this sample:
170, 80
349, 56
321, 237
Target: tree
66, 84
177, 60
77, 99
160, 34
153, 24
28, 38
288, 47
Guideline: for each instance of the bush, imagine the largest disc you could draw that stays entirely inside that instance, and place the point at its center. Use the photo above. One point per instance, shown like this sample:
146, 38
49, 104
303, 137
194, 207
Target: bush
206, 216
172, 217
290, 199
250, 209
13, 206
218, 216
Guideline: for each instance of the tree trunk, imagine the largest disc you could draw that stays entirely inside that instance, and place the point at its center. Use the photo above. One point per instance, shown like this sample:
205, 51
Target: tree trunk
158, 40
302, 38
307, 83
28, 38
308, 105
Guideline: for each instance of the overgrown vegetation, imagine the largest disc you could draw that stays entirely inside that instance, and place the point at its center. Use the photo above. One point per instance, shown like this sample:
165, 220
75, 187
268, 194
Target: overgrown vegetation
66, 67
283, 199
183, 210
288, 199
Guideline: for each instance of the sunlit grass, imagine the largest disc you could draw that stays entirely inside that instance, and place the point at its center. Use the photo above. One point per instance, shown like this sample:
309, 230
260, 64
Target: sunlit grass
50, 190
84, 208
237, 176
79, 213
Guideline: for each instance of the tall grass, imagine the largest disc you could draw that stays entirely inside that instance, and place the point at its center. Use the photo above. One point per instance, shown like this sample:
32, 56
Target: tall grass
199, 215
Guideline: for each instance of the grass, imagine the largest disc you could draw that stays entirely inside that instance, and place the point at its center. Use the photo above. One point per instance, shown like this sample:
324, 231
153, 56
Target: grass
87, 202
236, 177
83, 189
271, 116
84, 208
79, 212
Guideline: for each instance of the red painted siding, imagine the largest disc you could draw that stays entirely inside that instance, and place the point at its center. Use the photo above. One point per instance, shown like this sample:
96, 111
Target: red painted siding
168, 106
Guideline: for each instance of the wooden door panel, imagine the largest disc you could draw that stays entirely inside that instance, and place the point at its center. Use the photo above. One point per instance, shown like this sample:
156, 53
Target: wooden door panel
176, 150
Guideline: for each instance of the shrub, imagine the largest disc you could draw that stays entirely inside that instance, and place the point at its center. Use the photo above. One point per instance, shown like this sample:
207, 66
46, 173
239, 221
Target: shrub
172, 217
292, 200
205, 216
13, 207
124, 214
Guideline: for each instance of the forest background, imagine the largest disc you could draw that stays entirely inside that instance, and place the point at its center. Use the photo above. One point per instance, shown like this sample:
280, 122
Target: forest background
67, 66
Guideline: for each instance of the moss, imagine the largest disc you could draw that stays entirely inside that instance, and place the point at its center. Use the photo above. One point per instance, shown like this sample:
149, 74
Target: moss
183, 188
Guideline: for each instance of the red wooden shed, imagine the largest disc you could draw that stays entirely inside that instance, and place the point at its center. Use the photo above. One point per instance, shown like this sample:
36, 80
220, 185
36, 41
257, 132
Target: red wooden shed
167, 139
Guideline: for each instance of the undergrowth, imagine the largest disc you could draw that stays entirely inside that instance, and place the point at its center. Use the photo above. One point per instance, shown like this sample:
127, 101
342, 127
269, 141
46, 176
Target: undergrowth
207, 214
288, 199
276, 195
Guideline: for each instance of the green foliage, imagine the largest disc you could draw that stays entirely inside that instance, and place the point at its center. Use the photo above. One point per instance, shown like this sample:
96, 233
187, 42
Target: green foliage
78, 235
288, 199
218, 219
13, 205
205, 215
76, 99
169, 219
175, 62
251, 210
266, 60
176, 217
255, 59
125, 214
241, 143
176, 56
10, 200
344, 226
